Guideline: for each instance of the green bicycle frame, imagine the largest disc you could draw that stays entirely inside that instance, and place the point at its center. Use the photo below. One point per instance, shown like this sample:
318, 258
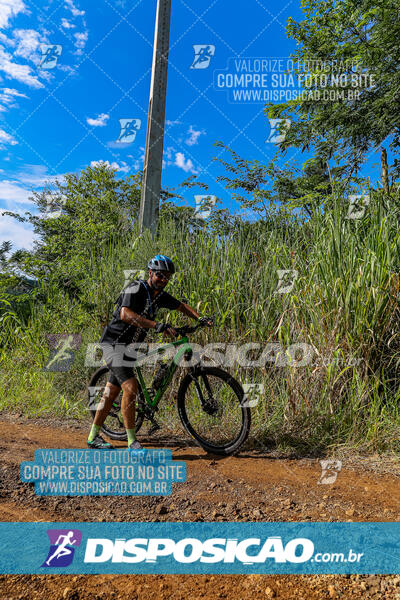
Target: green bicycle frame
152, 403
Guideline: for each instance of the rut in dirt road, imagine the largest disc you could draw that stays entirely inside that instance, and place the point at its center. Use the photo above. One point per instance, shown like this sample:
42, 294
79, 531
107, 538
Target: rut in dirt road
248, 487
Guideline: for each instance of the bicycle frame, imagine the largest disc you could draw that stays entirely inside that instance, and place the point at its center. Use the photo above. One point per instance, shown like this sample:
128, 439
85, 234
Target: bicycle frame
186, 348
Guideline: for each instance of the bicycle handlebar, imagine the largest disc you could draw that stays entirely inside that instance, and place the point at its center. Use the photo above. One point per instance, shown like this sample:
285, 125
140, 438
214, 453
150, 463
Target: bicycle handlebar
187, 329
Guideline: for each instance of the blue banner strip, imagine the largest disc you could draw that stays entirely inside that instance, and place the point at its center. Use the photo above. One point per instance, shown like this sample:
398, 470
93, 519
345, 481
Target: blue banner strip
195, 548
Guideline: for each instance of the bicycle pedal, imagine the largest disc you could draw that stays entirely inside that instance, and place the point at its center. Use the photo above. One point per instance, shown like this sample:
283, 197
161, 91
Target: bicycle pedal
154, 427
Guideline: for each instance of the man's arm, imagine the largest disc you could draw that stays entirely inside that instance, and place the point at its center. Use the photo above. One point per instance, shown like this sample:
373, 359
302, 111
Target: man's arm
188, 311
128, 316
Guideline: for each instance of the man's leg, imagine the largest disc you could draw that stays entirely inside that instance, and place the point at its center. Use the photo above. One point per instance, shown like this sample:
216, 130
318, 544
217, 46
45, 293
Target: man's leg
110, 393
128, 405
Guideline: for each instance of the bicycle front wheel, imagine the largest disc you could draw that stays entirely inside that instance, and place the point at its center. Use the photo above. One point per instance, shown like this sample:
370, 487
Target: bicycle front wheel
210, 406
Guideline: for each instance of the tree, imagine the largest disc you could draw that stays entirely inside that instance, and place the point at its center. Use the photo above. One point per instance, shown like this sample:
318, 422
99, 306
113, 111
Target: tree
182, 215
75, 217
362, 36
263, 188
250, 182
5, 248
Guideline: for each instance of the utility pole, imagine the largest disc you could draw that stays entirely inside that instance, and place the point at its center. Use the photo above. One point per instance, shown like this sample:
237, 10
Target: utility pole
385, 171
151, 184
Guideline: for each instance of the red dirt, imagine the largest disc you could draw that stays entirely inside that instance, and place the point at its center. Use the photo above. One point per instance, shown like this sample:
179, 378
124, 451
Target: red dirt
248, 487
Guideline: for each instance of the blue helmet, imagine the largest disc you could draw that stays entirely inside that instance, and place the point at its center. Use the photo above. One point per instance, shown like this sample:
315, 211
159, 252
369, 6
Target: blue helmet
161, 263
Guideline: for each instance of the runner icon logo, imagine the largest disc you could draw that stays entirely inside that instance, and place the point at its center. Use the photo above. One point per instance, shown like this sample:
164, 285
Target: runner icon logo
330, 469
62, 547
279, 129
129, 127
50, 54
202, 56
287, 278
62, 354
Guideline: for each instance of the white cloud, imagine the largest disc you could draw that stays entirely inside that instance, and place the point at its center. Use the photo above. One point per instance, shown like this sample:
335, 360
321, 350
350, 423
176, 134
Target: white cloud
13, 192
64, 68
193, 136
22, 73
5, 40
37, 176
69, 4
9, 9
81, 39
135, 162
20, 234
16, 194
67, 24
27, 42
6, 138
184, 164
99, 121
19, 189
169, 153
169, 157
7, 98
7, 94
172, 123
124, 167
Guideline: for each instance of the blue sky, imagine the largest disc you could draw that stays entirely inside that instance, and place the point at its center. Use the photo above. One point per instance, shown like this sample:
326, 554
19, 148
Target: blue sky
61, 119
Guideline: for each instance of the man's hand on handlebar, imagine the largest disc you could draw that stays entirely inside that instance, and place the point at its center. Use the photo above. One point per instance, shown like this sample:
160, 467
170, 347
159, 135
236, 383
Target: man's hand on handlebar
209, 321
165, 329
170, 332
175, 331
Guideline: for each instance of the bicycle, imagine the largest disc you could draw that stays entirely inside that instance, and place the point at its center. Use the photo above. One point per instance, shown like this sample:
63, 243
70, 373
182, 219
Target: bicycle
220, 425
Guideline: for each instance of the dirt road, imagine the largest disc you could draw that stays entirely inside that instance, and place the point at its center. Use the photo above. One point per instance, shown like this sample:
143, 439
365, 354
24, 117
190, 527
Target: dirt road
253, 486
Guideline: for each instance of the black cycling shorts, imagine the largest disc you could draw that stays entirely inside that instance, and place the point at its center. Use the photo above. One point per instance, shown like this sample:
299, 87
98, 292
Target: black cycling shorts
120, 364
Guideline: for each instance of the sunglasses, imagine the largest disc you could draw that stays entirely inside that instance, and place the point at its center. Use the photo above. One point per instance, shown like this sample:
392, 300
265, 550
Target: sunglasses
160, 275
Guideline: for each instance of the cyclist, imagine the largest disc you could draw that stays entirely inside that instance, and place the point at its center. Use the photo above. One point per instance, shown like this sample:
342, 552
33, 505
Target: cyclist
133, 316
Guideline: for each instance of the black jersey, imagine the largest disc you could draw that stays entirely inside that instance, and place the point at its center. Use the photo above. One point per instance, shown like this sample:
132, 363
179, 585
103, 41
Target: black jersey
137, 296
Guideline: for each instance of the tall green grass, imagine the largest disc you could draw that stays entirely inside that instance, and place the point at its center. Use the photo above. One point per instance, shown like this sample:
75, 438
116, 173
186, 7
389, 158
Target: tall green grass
344, 304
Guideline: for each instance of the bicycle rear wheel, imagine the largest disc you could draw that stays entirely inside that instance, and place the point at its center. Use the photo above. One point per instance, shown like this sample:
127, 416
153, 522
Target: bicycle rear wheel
210, 406
113, 426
